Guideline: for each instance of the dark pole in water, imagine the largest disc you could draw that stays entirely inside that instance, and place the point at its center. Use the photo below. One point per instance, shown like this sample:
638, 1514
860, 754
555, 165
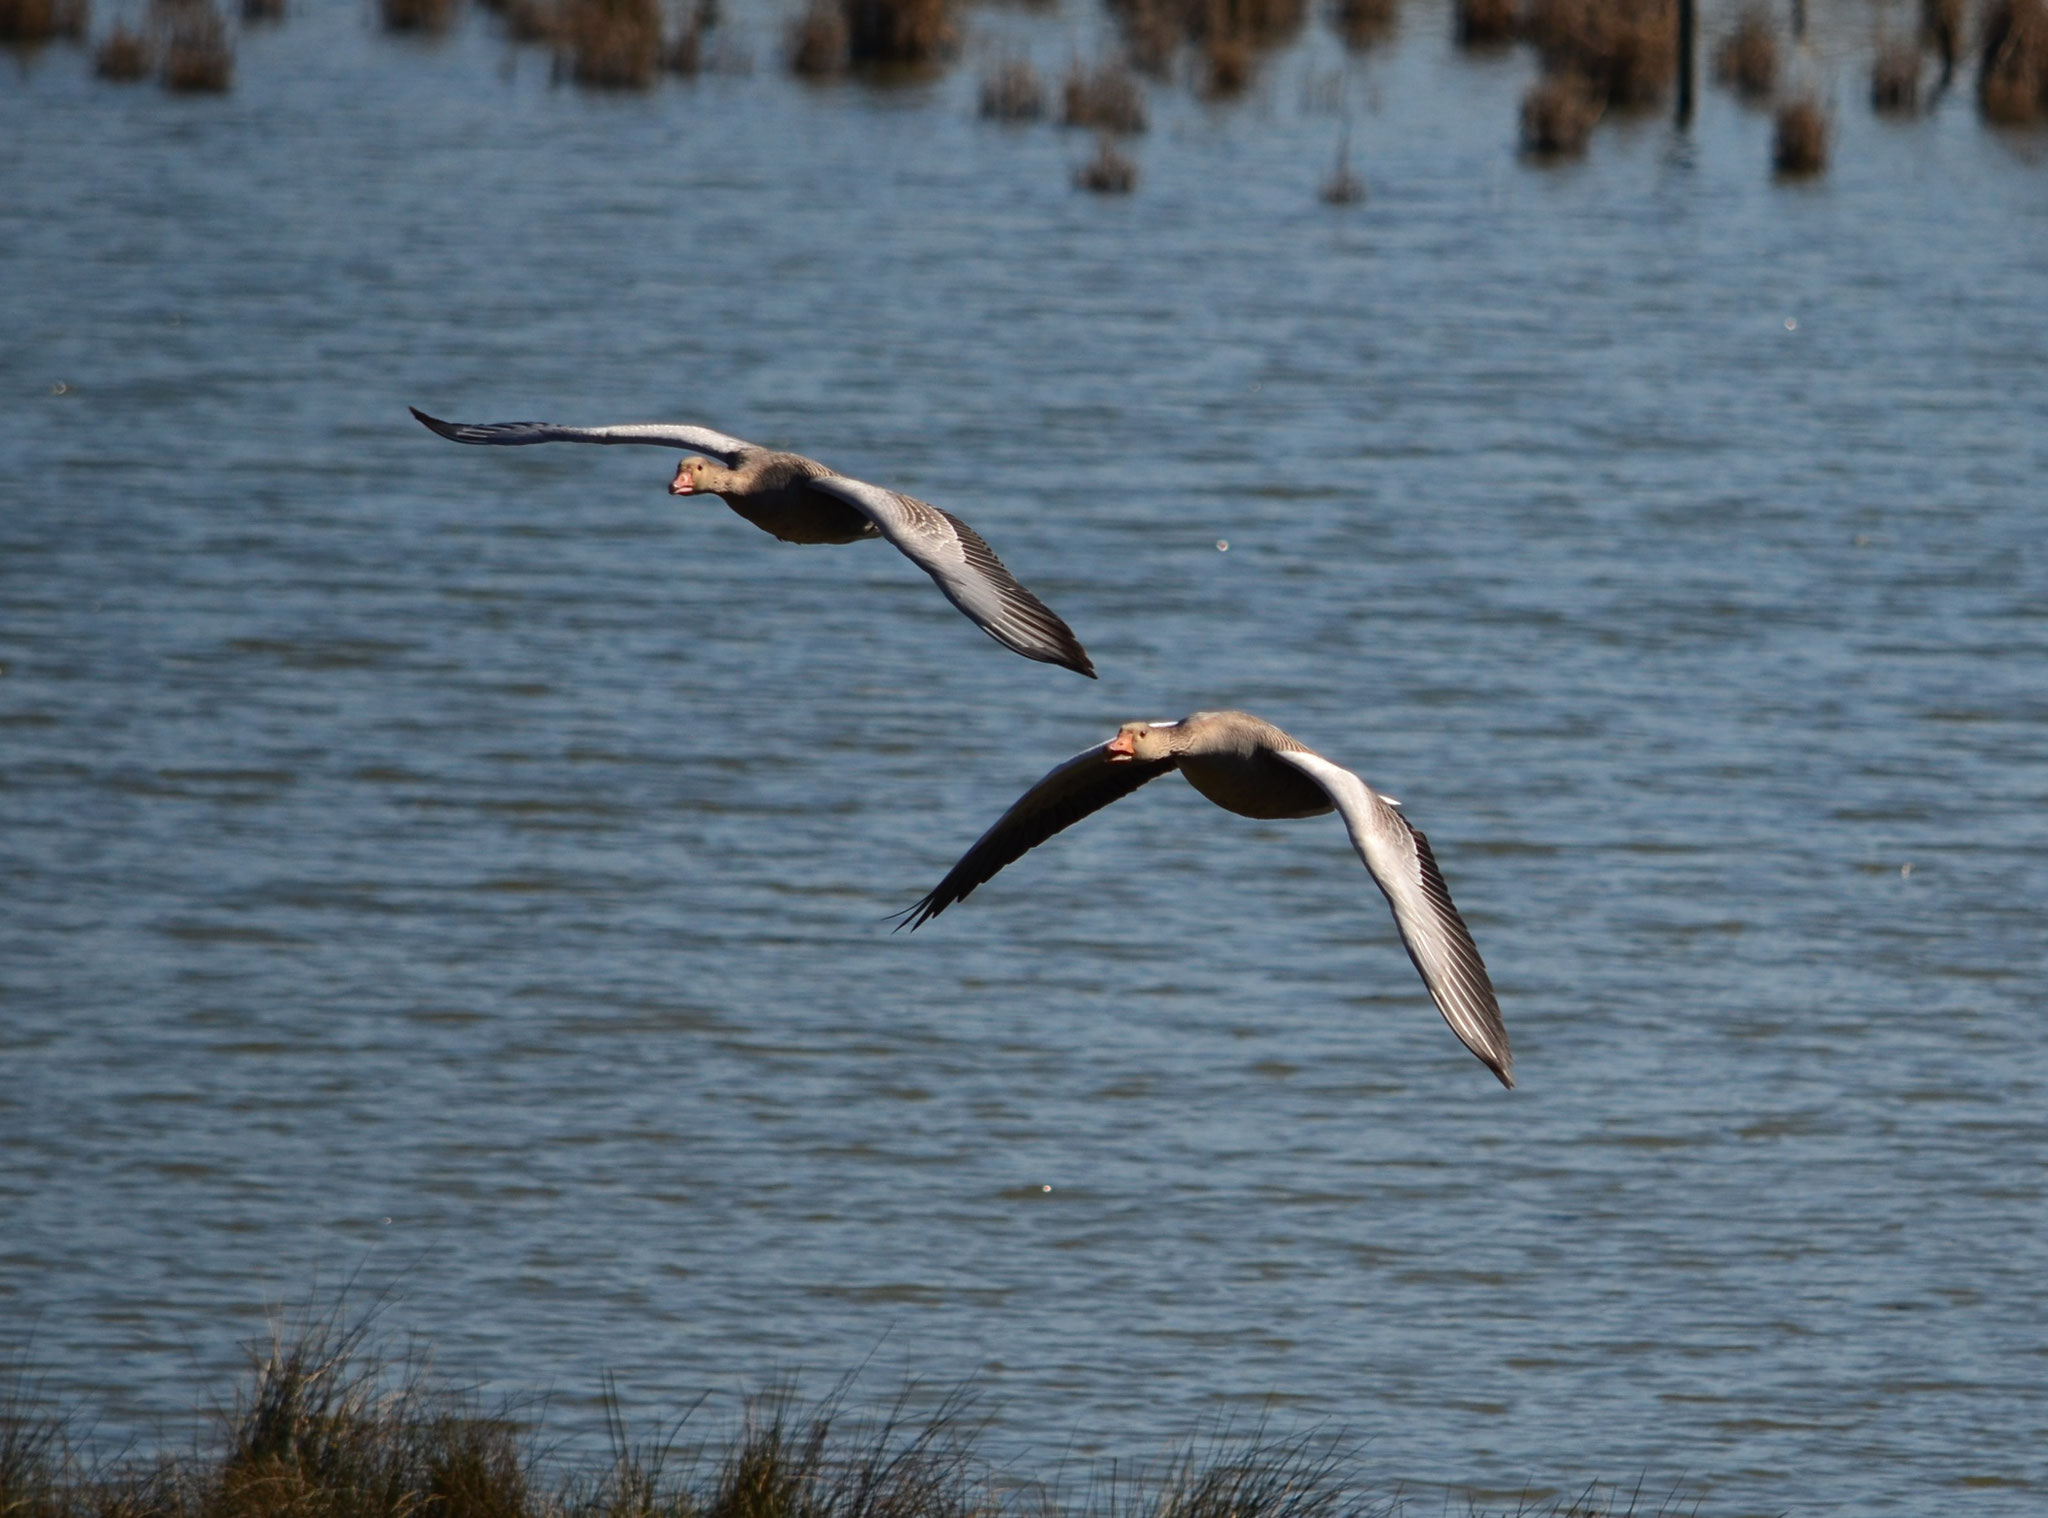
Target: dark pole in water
1688, 22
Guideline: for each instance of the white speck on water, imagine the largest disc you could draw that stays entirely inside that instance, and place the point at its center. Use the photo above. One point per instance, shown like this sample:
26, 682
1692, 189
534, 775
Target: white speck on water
1905, 872
1791, 324
1223, 545
1043, 1187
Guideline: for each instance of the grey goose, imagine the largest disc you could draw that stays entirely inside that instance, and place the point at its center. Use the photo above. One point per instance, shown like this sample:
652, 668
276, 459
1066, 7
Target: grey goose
1250, 767
800, 500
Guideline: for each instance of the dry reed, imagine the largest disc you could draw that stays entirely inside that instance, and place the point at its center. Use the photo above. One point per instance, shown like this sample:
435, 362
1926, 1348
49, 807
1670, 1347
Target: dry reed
429, 16
1747, 59
1486, 23
1624, 50
1342, 188
1105, 97
1108, 172
197, 58
1799, 146
42, 20
1895, 79
900, 31
124, 56
2012, 79
1365, 23
609, 44
1942, 25
1228, 61
1012, 91
1558, 116
817, 45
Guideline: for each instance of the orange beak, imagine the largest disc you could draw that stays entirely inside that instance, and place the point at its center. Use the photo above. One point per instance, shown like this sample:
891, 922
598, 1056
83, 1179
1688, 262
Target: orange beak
1122, 747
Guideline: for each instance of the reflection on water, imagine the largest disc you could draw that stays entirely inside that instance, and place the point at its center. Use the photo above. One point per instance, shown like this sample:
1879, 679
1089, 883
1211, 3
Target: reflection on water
476, 864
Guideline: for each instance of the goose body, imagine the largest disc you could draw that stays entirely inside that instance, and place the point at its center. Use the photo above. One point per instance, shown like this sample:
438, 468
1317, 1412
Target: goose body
1248, 766
800, 500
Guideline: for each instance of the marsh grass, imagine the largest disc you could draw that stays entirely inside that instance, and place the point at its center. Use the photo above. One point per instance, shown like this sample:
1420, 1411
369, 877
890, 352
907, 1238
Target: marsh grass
1485, 23
1342, 187
1558, 116
198, 58
42, 20
429, 16
123, 57
1747, 59
1799, 145
1012, 91
1361, 24
1105, 97
1109, 172
1895, 79
609, 44
817, 42
2012, 79
1624, 50
327, 1423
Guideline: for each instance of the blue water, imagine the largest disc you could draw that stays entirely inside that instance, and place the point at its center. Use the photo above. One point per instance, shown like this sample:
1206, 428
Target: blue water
468, 869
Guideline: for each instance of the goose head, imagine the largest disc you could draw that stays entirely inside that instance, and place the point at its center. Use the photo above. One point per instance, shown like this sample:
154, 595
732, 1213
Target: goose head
694, 476
1142, 740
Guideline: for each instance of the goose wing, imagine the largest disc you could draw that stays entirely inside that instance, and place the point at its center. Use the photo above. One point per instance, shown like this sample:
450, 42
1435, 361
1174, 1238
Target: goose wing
1401, 865
966, 569
714, 445
1086, 783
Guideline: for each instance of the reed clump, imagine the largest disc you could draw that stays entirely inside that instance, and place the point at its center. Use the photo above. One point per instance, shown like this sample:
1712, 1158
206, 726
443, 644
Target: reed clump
1486, 23
609, 44
2012, 78
429, 16
1895, 79
1799, 146
1942, 25
1747, 59
1365, 23
1624, 50
124, 56
43, 20
1105, 97
1109, 172
900, 31
197, 56
1012, 91
817, 47
1558, 116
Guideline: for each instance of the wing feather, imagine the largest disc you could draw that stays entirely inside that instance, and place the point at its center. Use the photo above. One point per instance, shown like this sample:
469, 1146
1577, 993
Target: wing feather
1399, 859
967, 570
716, 445
1086, 783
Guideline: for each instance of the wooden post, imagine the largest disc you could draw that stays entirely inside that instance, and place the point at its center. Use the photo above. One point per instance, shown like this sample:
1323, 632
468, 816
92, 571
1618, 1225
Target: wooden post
1688, 24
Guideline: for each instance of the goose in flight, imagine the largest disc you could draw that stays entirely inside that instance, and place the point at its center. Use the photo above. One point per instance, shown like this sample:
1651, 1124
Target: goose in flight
1250, 767
799, 500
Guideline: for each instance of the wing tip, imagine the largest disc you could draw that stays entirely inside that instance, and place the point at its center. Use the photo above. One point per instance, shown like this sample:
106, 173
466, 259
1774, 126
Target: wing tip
449, 430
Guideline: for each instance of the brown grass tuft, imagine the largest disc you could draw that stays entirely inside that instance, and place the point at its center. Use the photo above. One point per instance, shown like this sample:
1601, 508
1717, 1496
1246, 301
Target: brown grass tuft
900, 31
197, 57
42, 20
263, 10
1227, 65
124, 56
1942, 25
1364, 23
1800, 145
1625, 50
1558, 116
1486, 23
1108, 172
1747, 59
431, 16
2012, 79
1012, 91
1106, 97
817, 41
609, 44
1895, 79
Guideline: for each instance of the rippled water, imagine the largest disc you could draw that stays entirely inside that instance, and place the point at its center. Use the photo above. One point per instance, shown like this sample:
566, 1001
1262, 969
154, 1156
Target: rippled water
470, 867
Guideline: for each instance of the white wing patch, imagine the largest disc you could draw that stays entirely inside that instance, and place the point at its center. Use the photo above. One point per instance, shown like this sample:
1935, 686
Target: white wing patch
1401, 864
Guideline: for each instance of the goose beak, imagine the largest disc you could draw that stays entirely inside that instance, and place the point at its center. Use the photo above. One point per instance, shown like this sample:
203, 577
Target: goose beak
1122, 747
682, 483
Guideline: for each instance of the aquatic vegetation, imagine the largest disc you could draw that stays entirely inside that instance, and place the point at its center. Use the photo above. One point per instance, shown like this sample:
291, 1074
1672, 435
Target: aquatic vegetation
1895, 79
1364, 23
612, 44
1558, 116
2012, 80
123, 56
900, 31
1104, 97
817, 44
416, 15
42, 20
1747, 59
1343, 187
1012, 91
1624, 50
1109, 172
197, 57
1485, 23
1799, 145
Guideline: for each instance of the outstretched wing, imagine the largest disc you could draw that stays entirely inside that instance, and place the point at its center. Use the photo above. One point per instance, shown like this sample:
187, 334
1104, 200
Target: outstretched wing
714, 445
1086, 783
966, 569
1399, 860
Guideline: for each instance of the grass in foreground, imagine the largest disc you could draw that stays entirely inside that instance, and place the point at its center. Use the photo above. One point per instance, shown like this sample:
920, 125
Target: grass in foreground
324, 1426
